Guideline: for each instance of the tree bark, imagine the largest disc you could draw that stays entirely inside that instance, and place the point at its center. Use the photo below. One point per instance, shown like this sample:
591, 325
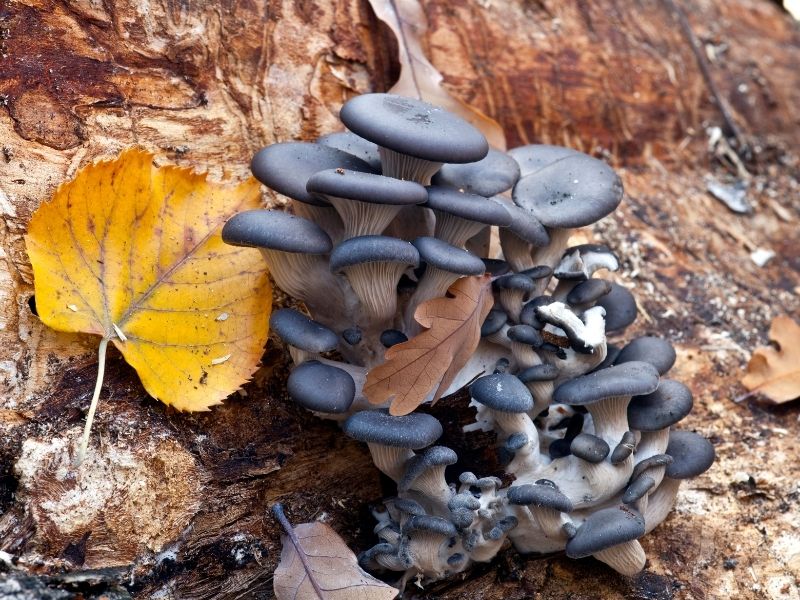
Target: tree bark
177, 504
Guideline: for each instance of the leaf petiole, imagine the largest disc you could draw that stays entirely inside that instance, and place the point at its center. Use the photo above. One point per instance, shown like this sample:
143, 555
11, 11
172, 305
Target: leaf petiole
101, 369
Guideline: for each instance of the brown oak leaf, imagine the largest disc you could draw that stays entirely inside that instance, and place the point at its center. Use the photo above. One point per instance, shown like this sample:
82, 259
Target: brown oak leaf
775, 371
316, 564
435, 356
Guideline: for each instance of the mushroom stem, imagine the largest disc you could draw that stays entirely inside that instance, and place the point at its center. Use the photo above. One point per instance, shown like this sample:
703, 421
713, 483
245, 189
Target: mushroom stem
627, 558
525, 356
660, 502
364, 218
390, 460
551, 254
610, 418
516, 251
324, 216
409, 168
375, 285
455, 230
305, 277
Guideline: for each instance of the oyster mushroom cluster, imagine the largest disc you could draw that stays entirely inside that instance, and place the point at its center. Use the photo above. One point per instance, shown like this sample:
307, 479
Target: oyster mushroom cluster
390, 214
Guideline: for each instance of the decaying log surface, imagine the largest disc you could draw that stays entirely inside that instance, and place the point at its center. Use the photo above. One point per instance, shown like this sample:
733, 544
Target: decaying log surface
171, 505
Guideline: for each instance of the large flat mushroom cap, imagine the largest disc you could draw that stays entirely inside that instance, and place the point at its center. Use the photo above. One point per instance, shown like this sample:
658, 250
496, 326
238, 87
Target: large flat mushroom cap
414, 127
371, 249
286, 167
629, 379
276, 230
620, 307
365, 187
533, 157
321, 387
660, 409
502, 392
349, 142
657, 351
299, 331
544, 495
606, 528
572, 192
493, 174
447, 257
692, 454
524, 225
467, 206
413, 431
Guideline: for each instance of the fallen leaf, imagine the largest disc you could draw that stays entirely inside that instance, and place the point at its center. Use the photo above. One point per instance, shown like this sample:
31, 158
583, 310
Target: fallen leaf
434, 357
133, 253
316, 564
775, 373
418, 77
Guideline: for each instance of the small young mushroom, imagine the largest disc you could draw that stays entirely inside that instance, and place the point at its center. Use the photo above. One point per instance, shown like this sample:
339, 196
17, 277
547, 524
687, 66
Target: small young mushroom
691, 455
546, 506
321, 388
425, 474
303, 335
428, 546
579, 264
654, 413
392, 337
391, 439
524, 341
610, 535
366, 202
513, 291
658, 352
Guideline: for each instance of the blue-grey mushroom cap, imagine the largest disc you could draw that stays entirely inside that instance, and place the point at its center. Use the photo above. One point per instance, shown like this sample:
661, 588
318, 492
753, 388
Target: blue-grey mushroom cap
414, 128
542, 372
494, 322
392, 337
298, 330
575, 191
413, 431
624, 449
604, 529
657, 351
612, 351
465, 501
275, 230
430, 524
630, 379
588, 292
371, 249
533, 157
514, 281
502, 392
287, 166
365, 187
538, 272
352, 335
637, 489
496, 267
662, 408
527, 315
435, 456
524, 225
620, 307
447, 257
493, 174
589, 447
321, 387
692, 454
467, 206
541, 495
525, 334
651, 462
349, 142
408, 506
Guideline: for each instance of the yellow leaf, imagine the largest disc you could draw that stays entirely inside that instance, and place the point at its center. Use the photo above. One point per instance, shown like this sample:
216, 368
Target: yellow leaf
776, 372
133, 253
435, 356
418, 77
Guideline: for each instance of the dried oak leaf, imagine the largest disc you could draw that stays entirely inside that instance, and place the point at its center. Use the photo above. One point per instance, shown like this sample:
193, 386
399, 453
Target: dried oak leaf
316, 564
775, 372
418, 77
436, 355
133, 253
